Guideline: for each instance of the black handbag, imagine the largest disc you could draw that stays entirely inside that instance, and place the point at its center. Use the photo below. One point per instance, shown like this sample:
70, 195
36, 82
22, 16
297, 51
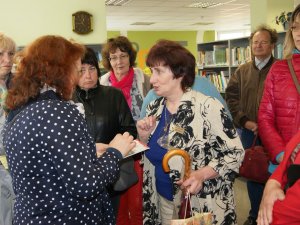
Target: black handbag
127, 176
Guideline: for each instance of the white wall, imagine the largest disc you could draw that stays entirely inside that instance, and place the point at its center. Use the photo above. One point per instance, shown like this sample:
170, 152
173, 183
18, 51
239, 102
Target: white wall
25, 20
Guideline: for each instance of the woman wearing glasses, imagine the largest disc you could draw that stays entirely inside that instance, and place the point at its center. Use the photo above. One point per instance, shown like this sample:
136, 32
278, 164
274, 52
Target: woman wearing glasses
278, 122
119, 59
199, 124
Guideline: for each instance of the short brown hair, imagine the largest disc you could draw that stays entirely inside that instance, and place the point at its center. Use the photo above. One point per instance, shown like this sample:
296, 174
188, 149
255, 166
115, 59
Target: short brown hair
48, 60
272, 32
112, 45
181, 62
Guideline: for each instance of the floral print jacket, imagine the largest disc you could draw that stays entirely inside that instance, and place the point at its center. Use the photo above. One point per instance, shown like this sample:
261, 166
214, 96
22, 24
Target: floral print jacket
201, 127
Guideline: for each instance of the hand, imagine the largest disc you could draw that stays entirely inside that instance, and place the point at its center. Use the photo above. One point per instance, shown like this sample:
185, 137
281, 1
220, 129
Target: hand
251, 125
272, 193
101, 148
124, 143
145, 127
195, 181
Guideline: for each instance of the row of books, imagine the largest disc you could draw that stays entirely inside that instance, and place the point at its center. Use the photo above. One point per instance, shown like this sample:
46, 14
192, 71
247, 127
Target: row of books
240, 55
220, 79
220, 56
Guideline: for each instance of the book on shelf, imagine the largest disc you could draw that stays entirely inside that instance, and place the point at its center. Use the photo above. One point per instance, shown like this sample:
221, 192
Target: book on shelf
209, 58
240, 55
218, 57
220, 80
201, 55
219, 54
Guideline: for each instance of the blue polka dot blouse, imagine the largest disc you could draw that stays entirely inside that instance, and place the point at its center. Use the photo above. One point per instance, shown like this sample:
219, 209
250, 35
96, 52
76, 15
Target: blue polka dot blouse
56, 175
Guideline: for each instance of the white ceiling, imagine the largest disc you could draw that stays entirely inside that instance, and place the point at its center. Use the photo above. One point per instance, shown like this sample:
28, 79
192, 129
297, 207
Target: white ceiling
175, 15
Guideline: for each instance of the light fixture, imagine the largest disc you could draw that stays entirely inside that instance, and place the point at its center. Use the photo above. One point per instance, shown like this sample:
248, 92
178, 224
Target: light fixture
142, 23
202, 23
116, 2
206, 5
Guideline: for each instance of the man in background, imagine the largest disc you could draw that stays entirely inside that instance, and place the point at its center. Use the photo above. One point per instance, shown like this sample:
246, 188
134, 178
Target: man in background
243, 94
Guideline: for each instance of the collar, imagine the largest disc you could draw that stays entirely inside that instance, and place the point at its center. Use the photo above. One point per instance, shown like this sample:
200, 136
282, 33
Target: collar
296, 51
261, 63
46, 87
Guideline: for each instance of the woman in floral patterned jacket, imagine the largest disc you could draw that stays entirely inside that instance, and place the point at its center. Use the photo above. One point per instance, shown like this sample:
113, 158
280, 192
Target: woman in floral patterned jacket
186, 119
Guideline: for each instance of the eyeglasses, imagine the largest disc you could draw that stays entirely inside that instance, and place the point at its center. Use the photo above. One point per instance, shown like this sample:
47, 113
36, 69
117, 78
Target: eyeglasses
260, 42
295, 28
115, 58
91, 69
10, 54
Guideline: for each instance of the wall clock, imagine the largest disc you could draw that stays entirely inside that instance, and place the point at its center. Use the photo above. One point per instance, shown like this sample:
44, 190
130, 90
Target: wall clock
82, 22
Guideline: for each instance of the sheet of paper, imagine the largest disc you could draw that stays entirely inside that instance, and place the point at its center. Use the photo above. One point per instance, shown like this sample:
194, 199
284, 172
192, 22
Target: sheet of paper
4, 161
137, 149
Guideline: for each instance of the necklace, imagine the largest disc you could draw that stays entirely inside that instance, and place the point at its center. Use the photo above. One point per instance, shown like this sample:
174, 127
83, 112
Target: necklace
163, 140
168, 120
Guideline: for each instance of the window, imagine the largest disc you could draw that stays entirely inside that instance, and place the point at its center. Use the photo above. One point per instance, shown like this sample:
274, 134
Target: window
225, 35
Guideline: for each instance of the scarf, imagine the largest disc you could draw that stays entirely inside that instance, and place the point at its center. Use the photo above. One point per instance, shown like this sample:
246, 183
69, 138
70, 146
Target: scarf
296, 51
125, 84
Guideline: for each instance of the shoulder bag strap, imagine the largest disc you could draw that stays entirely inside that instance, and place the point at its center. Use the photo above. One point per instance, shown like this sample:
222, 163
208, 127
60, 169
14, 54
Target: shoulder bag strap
254, 141
296, 82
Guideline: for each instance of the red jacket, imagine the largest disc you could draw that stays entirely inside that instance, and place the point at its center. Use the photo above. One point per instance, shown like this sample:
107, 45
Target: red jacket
279, 110
287, 212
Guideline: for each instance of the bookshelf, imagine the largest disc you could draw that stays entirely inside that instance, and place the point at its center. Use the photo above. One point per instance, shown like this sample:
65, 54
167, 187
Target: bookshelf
219, 59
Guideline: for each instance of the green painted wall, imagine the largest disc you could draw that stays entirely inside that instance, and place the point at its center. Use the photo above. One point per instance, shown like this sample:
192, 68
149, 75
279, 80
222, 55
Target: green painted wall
265, 11
275, 9
144, 40
209, 35
112, 34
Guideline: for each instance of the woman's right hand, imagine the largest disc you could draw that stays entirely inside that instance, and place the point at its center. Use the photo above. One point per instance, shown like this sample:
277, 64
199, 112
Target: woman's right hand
145, 127
272, 193
123, 143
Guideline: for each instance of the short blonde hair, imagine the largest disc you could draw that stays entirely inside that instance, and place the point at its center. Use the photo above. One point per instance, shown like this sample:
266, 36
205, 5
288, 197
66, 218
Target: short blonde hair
6, 43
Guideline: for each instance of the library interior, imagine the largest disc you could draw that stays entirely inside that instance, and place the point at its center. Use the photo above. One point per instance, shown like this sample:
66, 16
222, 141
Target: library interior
216, 33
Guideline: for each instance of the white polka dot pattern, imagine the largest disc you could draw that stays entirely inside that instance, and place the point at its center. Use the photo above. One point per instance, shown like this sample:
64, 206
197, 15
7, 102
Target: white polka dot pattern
56, 175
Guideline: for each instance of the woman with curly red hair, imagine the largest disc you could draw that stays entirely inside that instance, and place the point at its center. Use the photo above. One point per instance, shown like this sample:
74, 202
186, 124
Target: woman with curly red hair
56, 174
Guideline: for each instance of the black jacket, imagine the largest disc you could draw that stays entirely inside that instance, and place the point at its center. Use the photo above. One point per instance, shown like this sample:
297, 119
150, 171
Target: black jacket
106, 112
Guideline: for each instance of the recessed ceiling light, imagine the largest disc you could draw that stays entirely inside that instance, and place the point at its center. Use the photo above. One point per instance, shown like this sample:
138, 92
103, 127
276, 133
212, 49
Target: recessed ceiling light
203, 5
142, 23
116, 2
202, 23
206, 5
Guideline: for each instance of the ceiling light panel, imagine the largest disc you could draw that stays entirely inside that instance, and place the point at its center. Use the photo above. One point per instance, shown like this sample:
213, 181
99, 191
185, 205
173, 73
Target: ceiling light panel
116, 2
206, 5
142, 23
